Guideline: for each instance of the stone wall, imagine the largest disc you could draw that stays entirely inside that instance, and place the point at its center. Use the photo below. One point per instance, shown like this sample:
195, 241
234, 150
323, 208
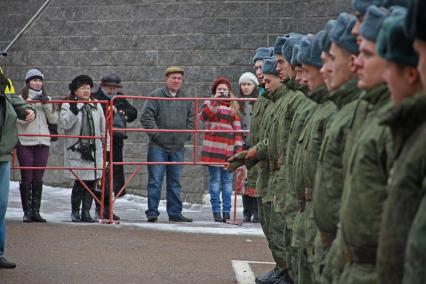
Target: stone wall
138, 39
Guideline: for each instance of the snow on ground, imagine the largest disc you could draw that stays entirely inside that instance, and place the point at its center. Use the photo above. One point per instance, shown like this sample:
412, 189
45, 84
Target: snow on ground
56, 208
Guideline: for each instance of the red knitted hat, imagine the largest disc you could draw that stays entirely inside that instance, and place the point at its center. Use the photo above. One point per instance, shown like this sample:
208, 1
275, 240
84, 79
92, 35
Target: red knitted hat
218, 81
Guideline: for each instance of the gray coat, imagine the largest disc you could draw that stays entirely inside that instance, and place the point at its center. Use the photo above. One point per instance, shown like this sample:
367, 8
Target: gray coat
168, 115
71, 125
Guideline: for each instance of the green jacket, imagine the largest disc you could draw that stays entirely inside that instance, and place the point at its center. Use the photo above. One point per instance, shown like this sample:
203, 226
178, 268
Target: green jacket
405, 191
262, 180
13, 107
267, 150
259, 108
328, 185
367, 173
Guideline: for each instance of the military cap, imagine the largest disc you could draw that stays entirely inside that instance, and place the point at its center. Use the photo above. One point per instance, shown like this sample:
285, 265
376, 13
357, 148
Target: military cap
342, 35
287, 50
417, 19
394, 45
279, 42
325, 40
295, 56
304, 49
401, 3
314, 57
263, 52
373, 22
173, 69
270, 66
360, 6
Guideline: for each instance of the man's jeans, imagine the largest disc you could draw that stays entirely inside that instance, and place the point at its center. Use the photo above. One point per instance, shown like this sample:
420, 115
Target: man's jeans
220, 180
4, 198
156, 177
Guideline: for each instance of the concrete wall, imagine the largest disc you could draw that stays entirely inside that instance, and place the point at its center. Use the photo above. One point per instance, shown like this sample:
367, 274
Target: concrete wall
138, 39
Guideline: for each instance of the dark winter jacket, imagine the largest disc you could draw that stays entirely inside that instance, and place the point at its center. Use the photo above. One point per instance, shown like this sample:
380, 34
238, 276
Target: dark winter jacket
170, 114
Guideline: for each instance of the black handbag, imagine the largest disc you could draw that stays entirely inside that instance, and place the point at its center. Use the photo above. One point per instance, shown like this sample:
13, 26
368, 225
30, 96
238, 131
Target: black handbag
119, 121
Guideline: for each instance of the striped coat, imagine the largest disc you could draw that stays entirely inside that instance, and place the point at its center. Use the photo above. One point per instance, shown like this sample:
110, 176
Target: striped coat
218, 147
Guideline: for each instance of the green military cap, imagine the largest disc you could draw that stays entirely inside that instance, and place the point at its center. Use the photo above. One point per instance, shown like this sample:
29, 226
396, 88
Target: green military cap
342, 35
288, 46
372, 23
325, 40
270, 66
360, 6
173, 69
263, 52
394, 45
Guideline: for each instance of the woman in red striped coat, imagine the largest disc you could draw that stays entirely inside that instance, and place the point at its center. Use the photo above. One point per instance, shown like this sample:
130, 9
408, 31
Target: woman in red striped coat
218, 147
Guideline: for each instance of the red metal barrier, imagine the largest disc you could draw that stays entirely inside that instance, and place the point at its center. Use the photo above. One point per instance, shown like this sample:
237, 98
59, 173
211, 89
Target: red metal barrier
194, 131
109, 134
71, 169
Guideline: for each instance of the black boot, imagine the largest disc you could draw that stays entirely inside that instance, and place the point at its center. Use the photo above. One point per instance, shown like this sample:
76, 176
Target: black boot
25, 190
36, 202
226, 216
271, 277
217, 217
246, 209
255, 211
85, 211
76, 197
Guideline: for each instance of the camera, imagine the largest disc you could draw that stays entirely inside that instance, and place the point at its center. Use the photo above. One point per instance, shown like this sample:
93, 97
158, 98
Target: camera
224, 94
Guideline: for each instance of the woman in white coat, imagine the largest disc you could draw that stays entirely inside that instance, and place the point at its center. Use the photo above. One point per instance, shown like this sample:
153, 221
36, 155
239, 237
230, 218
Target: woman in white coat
83, 119
33, 151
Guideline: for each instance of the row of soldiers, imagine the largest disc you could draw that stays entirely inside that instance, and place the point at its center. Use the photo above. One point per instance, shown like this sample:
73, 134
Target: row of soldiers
339, 155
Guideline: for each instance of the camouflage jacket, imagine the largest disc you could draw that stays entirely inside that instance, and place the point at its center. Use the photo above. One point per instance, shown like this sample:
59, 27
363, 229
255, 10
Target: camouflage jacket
259, 108
405, 193
367, 174
329, 177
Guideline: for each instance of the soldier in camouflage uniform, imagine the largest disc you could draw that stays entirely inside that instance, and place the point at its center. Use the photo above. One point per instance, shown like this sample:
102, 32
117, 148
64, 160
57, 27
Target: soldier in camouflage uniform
406, 185
306, 154
370, 157
415, 254
328, 185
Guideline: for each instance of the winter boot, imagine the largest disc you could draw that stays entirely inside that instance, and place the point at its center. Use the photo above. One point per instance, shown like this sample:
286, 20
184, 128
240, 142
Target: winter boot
217, 217
247, 209
36, 202
25, 190
76, 197
255, 217
226, 216
85, 211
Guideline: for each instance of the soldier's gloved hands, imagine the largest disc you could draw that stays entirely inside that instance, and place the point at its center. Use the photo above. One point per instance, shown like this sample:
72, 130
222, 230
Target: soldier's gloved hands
239, 156
234, 165
73, 108
250, 164
251, 154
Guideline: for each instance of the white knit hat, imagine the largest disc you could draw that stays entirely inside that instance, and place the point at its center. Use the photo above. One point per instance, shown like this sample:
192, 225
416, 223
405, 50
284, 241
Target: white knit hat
33, 74
248, 77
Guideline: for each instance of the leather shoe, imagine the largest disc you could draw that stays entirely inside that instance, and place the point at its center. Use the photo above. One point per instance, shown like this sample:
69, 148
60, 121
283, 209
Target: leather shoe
179, 218
152, 218
6, 264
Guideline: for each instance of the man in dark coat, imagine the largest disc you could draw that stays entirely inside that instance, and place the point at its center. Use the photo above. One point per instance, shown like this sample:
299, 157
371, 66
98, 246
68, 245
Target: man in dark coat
123, 112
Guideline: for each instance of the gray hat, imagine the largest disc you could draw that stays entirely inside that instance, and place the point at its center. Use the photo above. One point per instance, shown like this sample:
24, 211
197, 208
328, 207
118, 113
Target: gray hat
304, 49
342, 35
390, 3
289, 44
360, 6
325, 41
111, 80
394, 45
314, 56
270, 66
263, 52
372, 23
279, 42
33, 74
295, 56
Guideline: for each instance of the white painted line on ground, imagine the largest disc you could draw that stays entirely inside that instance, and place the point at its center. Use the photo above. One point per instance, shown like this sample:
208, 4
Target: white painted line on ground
243, 271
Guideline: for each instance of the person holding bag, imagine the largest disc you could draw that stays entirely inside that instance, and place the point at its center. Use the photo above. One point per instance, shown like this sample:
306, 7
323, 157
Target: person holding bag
33, 151
83, 119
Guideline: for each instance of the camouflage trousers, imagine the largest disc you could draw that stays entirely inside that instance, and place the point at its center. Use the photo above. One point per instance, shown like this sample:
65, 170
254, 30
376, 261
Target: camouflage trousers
264, 211
359, 273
